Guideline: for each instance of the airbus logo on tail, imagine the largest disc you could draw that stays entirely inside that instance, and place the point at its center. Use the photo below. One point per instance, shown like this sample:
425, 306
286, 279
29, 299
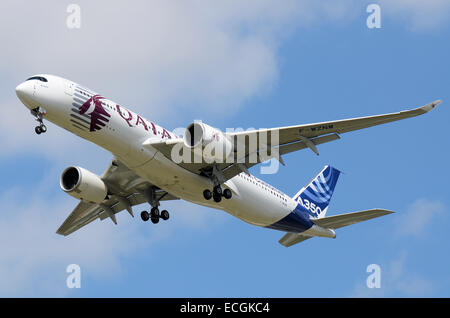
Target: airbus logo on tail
311, 207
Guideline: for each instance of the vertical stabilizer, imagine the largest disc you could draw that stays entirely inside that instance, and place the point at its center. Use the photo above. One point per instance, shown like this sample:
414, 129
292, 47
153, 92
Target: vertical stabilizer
316, 196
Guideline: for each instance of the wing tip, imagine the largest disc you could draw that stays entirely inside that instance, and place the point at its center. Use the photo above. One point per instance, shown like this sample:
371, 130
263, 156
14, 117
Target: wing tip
384, 211
286, 244
431, 105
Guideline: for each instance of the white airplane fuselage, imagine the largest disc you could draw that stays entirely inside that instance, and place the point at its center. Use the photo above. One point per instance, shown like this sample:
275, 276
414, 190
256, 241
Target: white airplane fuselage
123, 134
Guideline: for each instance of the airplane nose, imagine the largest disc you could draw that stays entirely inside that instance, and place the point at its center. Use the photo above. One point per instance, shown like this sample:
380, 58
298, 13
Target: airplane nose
25, 92
23, 89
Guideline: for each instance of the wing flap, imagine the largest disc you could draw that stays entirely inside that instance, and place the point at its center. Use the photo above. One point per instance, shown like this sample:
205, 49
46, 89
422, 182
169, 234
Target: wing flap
136, 199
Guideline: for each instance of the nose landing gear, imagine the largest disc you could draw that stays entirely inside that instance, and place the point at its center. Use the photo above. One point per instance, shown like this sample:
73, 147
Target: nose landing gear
40, 129
39, 115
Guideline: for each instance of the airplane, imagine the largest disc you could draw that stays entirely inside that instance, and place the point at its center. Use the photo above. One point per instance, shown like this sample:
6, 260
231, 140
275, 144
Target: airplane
143, 169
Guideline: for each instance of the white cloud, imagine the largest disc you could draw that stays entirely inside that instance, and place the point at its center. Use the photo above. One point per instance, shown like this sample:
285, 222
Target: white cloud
396, 281
32, 254
55, 145
150, 54
33, 258
160, 57
418, 14
156, 57
418, 217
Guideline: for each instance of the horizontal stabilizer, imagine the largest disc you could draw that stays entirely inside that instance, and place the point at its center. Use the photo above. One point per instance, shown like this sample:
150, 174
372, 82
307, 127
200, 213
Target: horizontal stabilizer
293, 238
341, 220
334, 222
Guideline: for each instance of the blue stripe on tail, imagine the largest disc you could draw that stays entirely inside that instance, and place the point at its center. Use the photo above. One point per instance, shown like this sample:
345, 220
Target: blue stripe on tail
315, 197
312, 202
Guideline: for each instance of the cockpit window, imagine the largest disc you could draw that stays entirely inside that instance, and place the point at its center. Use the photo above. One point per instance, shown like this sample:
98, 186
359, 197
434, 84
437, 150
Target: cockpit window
39, 78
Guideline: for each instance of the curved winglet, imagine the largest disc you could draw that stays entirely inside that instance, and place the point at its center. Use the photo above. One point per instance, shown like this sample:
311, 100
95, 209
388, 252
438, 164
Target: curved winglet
431, 106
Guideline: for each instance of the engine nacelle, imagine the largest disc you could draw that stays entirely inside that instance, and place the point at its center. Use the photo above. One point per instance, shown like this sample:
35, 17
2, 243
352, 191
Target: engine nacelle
216, 146
83, 185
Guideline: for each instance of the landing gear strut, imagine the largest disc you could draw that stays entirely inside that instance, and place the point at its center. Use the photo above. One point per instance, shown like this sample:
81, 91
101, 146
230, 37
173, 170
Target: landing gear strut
217, 194
38, 114
217, 178
154, 214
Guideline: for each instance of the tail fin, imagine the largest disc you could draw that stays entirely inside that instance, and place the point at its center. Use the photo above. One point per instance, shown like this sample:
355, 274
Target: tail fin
316, 196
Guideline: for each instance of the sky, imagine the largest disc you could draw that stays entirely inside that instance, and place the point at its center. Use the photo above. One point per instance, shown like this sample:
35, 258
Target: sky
234, 64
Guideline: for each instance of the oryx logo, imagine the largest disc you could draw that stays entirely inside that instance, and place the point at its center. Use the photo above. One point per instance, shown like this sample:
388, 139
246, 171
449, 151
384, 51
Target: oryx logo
99, 116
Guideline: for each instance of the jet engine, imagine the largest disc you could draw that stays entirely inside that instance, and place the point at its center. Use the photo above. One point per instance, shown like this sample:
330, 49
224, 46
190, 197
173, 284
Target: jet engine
83, 185
216, 146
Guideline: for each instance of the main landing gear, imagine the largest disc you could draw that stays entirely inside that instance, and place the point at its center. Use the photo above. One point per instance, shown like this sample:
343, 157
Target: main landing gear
217, 177
154, 215
217, 194
38, 114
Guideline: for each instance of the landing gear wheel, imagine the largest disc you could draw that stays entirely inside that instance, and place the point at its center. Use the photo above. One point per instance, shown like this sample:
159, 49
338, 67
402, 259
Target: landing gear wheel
227, 194
217, 198
155, 220
154, 213
217, 190
38, 130
43, 128
145, 216
165, 215
207, 194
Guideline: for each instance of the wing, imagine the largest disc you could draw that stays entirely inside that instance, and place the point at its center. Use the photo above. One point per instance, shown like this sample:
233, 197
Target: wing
288, 139
126, 190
